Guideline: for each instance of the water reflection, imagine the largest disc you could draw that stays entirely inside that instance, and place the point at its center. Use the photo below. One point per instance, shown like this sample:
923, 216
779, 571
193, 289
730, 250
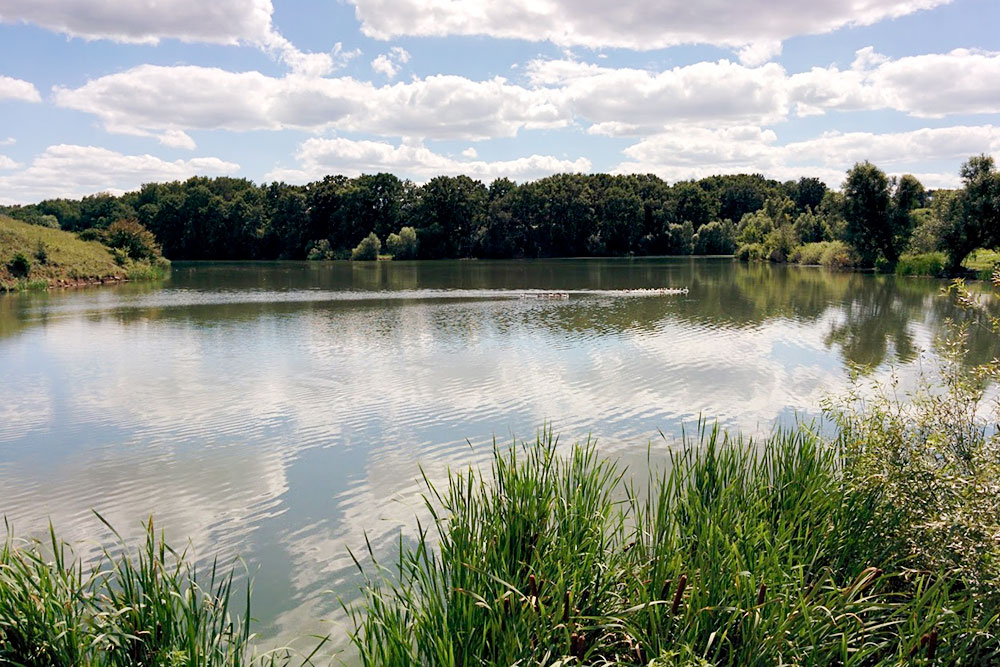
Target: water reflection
281, 410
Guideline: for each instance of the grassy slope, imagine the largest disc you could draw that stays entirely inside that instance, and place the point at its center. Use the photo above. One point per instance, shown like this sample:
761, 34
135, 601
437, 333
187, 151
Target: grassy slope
69, 258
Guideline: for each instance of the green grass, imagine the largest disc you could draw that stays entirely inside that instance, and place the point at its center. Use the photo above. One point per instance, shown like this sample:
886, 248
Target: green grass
741, 553
983, 262
922, 264
66, 258
147, 606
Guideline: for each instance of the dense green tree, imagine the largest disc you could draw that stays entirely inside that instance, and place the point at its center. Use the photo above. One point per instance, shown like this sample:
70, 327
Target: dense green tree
877, 225
972, 218
367, 249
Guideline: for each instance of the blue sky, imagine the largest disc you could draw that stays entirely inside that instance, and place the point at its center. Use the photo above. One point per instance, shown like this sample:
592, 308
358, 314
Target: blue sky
104, 95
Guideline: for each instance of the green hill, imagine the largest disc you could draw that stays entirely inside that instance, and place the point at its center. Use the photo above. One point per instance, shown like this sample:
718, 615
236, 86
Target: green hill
54, 257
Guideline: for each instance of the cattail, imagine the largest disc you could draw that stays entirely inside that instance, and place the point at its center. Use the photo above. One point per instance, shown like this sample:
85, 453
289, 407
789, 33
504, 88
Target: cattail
576, 645
761, 592
566, 600
533, 585
681, 584
665, 590
932, 644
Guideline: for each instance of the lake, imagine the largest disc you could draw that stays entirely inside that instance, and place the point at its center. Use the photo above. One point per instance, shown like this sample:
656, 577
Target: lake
281, 411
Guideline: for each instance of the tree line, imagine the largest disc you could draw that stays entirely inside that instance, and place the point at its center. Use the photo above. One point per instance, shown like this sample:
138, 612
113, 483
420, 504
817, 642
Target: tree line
874, 219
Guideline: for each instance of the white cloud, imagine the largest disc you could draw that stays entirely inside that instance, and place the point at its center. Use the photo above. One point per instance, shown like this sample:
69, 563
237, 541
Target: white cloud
697, 152
389, 64
74, 171
634, 101
9, 141
754, 27
162, 101
148, 21
470, 153
930, 85
319, 157
167, 101
17, 89
7, 163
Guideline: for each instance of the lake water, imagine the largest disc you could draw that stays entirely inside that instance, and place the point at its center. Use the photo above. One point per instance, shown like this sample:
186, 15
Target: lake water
282, 410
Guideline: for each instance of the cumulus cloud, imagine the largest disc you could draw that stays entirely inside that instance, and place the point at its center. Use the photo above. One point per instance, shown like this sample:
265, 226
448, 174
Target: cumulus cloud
929, 85
149, 21
162, 101
17, 89
389, 64
695, 153
7, 163
74, 171
318, 157
167, 101
626, 101
754, 27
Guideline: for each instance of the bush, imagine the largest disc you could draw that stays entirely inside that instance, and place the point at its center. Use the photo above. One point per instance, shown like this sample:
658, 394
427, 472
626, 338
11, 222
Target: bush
780, 243
19, 266
402, 245
838, 255
936, 461
681, 238
715, 238
923, 264
41, 252
750, 252
92, 234
319, 250
368, 249
137, 242
809, 253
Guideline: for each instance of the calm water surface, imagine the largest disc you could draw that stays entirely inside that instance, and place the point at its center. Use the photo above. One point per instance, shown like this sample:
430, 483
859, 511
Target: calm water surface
281, 410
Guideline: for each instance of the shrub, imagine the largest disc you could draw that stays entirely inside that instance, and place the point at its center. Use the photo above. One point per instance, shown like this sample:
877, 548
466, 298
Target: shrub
92, 234
681, 238
838, 255
750, 252
133, 239
368, 249
402, 245
715, 238
780, 243
319, 250
936, 462
923, 264
19, 266
809, 253
41, 252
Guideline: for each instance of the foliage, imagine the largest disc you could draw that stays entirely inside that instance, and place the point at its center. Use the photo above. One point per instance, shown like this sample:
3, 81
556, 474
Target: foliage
809, 253
742, 553
403, 245
780, 243
751, 252
140, 606
41, 253
715, 238
922, 264
19, 265
368, 249
320, 250
972, 219
838, 255
878, 216
137, 242
937, 464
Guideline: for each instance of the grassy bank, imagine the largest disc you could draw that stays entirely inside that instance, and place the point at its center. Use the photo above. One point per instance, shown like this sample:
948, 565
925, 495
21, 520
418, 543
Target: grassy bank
739, 553
36, 257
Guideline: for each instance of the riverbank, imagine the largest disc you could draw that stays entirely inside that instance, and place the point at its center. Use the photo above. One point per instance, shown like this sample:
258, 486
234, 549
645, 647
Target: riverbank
740, 552
36, 257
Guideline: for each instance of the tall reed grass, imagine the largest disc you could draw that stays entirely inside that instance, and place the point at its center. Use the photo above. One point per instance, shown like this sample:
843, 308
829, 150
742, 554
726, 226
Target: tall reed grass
144, 606
739, 553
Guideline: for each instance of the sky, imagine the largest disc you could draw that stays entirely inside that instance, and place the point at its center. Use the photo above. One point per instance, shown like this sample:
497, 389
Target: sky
104, 95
